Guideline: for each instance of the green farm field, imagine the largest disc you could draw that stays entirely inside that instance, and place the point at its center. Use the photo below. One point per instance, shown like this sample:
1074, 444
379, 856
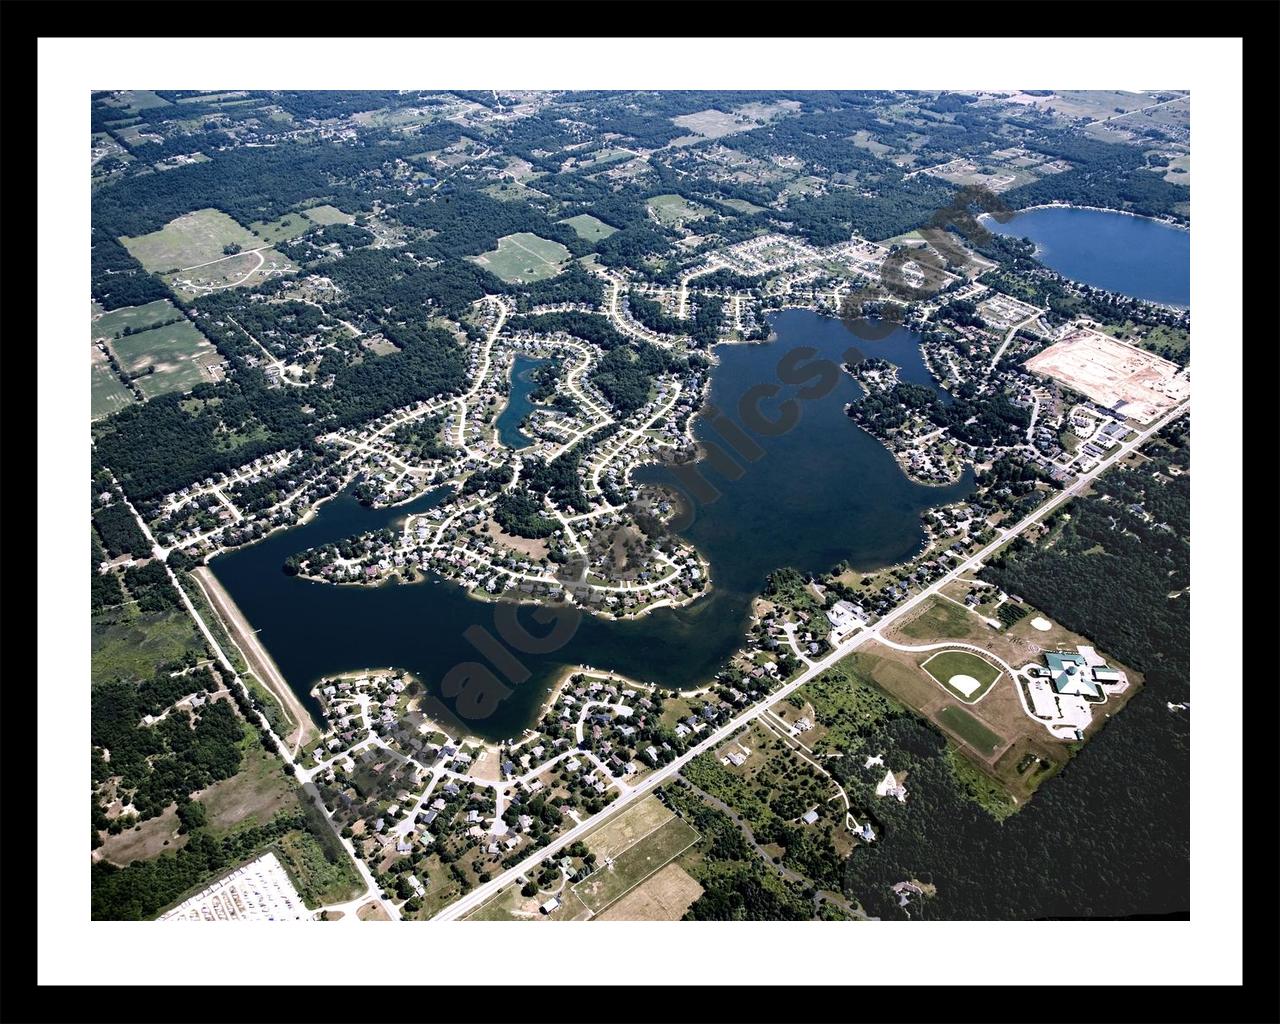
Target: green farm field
672, 209
328, 215
291, 225
190, 240
113, 324
107, 392
178, 351
524, 257
589, 228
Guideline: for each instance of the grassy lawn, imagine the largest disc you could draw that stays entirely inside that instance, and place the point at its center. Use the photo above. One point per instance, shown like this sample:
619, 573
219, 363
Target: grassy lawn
524, 257
941, 620
328, 215
969, 729
253, 794
107, 393
291, 225
635, 864
112, 324
245, 270
948, 664
189, 240
128, 644
663, 896
611, 838
589, 228
145, 840
672, 209
178, 352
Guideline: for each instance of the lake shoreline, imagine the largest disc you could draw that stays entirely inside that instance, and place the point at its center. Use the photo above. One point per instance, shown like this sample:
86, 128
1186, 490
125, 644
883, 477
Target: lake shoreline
1096, 209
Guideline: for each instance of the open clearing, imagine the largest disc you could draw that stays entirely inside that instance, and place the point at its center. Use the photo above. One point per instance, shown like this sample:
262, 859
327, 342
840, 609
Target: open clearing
188, 241
712, 123
962, 672
1128, 380
636, 863
589, 228
135, 99
291, 225
144, 840
970, 729
664, 896
107, 393
328, 215
241, 271
614, 836
131, 644
113, 324
672, 210
524, 257
256, 791
181, 356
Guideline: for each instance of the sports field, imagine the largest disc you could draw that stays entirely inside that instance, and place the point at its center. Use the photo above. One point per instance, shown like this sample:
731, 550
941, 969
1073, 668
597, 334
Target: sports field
634, 864
969, 729
107, 392
190, 240
588, 227
963, 673
524, 257
179, 352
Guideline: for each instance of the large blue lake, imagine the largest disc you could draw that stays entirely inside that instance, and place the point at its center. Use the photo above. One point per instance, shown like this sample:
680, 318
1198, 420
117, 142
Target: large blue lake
1130, 255
821, 493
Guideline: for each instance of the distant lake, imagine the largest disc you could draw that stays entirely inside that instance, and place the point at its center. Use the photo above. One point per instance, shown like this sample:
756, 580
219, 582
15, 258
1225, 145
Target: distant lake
518, 404
821, 493
1135, 256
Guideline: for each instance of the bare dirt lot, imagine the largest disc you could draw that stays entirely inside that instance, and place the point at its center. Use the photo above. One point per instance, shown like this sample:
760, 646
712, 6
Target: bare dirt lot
663, 897
1135, 383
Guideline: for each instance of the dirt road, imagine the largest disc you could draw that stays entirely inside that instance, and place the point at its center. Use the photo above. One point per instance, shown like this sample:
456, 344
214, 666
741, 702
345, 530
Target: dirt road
303, 730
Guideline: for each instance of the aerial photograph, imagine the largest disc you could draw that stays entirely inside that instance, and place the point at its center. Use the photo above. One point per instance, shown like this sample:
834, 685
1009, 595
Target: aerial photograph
652, 505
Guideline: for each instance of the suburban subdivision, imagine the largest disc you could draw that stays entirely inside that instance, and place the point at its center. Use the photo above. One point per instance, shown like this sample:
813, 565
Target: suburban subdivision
639, 506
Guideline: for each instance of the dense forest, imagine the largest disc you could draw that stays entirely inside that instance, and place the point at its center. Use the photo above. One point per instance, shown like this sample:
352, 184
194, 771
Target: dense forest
120, 532
981, 420
1107, 174
1117, 557
166, 761
523, 515
625, 375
